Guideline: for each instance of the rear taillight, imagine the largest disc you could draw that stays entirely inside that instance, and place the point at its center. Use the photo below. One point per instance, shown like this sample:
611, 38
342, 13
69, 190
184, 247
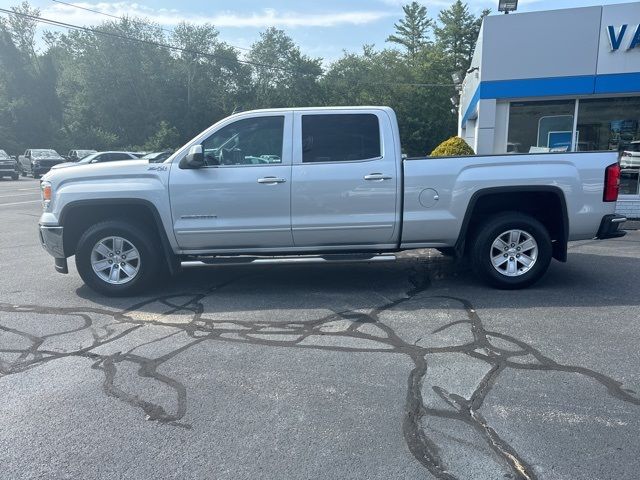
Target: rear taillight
611, 183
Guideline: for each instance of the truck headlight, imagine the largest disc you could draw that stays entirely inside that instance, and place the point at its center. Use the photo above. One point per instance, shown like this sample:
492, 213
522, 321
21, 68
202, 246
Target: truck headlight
45, 191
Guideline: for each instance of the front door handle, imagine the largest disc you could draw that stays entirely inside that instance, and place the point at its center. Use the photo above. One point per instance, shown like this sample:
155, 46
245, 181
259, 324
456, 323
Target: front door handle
271, 180
377, 177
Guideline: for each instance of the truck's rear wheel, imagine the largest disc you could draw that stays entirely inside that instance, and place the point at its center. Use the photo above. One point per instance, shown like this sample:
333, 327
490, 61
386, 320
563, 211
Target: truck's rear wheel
116, 258
511, 250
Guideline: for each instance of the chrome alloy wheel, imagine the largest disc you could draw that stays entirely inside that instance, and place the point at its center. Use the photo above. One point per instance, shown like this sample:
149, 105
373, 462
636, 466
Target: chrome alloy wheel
514, 253
115, 260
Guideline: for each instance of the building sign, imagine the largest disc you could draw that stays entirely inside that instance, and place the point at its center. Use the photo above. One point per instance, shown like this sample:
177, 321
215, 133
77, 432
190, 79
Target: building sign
618, 35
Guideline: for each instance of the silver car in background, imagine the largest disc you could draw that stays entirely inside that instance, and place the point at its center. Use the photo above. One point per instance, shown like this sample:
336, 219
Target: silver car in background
99, 157
630, 157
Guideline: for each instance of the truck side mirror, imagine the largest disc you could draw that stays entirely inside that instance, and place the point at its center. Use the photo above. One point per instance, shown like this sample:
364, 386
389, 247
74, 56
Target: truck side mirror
194, 159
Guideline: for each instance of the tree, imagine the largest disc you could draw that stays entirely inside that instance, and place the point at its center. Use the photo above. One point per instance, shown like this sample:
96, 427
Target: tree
127, 82
29, 108
165, 138
282, 75
207, 79
457, 34
412, 30
22, 28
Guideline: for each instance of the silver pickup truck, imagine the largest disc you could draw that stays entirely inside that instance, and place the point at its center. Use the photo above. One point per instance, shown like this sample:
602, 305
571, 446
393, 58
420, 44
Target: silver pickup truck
322, 184
38, 161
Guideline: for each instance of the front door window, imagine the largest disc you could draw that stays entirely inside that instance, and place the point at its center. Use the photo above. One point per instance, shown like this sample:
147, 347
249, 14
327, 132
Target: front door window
251, 141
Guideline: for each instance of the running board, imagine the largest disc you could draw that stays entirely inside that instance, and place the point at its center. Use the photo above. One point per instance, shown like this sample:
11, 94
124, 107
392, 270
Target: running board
242, 260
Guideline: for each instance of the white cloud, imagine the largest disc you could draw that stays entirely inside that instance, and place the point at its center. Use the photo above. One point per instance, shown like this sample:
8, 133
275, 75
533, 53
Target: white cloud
264, 18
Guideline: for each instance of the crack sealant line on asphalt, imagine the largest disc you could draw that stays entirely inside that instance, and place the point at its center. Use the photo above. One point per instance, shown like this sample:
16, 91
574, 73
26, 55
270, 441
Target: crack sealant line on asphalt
202, 328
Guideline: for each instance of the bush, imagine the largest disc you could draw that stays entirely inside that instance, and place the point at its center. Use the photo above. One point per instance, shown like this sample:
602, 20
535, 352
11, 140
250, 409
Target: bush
453, 147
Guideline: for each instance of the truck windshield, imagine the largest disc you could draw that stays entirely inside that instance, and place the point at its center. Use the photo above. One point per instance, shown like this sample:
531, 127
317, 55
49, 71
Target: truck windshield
4, 156
44, 154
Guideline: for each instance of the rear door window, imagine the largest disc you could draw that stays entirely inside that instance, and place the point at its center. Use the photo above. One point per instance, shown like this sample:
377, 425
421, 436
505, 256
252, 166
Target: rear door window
340, 137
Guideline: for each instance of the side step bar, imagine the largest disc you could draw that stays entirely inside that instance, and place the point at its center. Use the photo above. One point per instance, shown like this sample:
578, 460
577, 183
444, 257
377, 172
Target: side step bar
304, 259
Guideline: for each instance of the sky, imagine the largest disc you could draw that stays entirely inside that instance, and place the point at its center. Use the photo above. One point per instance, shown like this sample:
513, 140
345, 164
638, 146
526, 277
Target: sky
322, 28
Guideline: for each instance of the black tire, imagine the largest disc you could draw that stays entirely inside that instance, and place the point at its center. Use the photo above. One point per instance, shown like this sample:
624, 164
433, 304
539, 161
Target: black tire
36, 176
15, 176
21, 171
150, 258
481, 250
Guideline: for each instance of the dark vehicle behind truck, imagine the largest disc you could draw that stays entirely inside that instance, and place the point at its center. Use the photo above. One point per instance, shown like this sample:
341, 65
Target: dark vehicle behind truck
8, 166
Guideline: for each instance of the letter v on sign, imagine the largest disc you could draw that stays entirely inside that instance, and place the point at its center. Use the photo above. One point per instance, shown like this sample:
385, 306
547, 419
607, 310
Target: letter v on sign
615, 40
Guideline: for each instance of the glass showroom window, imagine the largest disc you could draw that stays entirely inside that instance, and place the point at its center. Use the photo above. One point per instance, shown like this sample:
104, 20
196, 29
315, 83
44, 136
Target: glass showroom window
540, 126
613, 124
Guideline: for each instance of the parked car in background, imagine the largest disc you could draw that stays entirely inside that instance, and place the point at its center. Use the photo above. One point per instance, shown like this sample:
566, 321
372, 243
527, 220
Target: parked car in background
8, 166
157, 157
141, 154
100, 157
630, 157
76, 155
38, 161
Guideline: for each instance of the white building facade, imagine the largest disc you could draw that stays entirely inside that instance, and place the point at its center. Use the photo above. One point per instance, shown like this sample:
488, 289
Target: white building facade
559, 80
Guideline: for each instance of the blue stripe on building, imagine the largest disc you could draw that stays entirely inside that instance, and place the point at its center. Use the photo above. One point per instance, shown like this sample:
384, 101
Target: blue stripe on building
551, 87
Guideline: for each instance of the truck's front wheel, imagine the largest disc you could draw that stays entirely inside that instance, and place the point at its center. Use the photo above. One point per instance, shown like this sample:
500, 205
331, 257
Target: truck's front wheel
511, 251
116, 258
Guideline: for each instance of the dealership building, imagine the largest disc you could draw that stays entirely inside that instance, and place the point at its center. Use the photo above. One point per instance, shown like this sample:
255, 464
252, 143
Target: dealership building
559, 80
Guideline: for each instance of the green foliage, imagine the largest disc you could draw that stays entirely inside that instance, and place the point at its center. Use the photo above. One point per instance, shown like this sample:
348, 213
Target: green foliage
412, 31
453, 147
82, 89
282, 75
457, 33
164, 139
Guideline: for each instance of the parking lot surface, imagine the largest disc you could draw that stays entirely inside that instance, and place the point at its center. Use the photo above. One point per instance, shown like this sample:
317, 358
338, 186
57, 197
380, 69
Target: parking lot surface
409, 369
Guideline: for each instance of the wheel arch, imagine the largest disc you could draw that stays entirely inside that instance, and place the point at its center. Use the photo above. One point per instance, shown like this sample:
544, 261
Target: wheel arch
79, 215
528, 199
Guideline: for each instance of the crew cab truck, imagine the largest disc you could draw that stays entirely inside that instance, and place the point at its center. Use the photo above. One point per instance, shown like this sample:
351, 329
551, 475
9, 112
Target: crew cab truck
322, 184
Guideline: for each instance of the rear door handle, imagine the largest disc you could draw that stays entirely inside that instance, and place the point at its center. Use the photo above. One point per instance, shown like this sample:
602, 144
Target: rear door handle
377, 177
271, 180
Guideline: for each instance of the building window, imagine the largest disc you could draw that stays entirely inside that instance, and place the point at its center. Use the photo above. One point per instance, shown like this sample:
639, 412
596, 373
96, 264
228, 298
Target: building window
613, 124
630, 169
602, 124
540, 126
608, 123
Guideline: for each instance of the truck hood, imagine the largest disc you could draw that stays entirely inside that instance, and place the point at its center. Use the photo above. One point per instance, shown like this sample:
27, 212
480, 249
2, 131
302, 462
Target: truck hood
120, 170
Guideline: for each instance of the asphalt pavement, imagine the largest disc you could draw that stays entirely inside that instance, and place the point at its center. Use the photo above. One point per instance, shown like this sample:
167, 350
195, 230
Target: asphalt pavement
404, 370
